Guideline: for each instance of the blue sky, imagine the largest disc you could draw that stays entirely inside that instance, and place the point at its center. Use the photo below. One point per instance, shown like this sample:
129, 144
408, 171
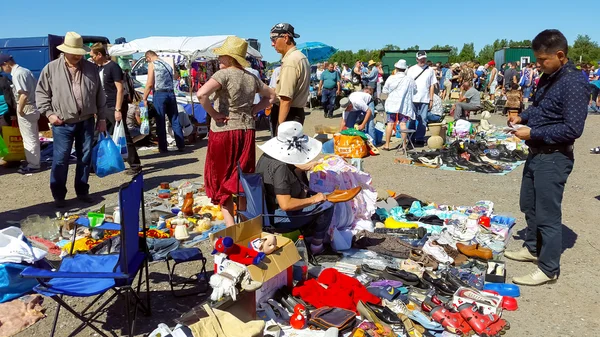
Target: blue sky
338, 23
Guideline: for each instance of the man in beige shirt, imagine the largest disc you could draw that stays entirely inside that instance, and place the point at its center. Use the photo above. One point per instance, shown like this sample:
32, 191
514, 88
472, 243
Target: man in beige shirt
294, 78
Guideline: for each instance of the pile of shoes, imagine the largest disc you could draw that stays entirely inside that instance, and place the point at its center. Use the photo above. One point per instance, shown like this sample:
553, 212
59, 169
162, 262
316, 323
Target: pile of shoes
470, 156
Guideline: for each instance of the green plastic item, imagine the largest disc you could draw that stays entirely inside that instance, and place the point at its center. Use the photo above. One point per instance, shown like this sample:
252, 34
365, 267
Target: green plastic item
354, 132
292, 235
96, 219
3, 148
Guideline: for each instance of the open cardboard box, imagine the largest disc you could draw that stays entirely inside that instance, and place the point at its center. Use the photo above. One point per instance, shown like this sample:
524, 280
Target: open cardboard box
279, 261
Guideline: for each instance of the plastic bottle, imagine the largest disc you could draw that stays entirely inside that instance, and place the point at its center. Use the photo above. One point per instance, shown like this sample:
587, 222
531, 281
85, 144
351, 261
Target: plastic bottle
301, 267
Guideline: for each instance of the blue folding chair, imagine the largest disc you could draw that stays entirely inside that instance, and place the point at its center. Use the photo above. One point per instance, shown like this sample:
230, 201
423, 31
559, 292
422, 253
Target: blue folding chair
86, 275
254, 193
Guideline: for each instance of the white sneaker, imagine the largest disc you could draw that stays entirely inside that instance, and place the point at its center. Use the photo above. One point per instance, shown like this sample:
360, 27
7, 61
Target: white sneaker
397, 306
437, 252
445, 238
462, 233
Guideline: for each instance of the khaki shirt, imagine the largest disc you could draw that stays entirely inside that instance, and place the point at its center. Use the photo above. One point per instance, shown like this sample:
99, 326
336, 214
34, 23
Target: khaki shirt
294, 78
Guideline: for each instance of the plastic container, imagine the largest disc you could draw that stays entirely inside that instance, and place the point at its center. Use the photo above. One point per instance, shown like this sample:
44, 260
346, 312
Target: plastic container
300, 268
117, 215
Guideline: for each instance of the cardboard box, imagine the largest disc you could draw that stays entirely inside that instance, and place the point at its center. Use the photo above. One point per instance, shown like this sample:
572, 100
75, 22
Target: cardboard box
487, 309
496, 272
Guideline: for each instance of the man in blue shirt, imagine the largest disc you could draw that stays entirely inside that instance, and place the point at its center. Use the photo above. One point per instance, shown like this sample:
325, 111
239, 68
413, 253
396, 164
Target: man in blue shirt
553, 123
329, 88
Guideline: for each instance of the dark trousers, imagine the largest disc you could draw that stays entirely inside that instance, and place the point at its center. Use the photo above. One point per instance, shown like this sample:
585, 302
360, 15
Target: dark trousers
166, 105
295, 114
303, 218
542, 187
132, 156
328, 100
82, 134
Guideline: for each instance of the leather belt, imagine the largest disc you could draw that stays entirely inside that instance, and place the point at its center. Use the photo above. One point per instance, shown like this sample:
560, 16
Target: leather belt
546, 149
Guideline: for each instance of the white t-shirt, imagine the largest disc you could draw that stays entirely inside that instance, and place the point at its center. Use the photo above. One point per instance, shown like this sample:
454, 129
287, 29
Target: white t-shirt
360, 100
347, 74
424, 82
257, 75
319, 73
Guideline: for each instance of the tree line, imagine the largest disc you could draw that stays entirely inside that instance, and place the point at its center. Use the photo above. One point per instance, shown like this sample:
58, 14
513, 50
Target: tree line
583, 49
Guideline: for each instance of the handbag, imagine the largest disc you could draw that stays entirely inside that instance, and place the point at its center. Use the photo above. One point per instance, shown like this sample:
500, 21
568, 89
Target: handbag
327, 317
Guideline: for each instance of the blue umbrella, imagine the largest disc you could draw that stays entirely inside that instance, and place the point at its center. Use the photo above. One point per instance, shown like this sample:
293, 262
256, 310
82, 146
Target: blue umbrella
316, 51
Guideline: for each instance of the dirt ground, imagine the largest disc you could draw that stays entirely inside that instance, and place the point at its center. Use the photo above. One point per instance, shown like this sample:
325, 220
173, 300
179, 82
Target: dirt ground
567, 308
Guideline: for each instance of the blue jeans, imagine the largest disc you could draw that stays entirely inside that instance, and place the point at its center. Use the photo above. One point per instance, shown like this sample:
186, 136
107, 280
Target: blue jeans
165, 104
319, 227
542, 187
328, 100
527, 91
82, 134
433, 118
420, 123
357, 117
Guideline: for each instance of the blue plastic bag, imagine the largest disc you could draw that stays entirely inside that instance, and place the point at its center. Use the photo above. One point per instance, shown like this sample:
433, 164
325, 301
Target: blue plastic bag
106, 157
11, 283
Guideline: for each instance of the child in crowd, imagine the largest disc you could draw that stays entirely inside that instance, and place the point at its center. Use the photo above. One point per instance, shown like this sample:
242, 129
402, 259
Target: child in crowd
514, 99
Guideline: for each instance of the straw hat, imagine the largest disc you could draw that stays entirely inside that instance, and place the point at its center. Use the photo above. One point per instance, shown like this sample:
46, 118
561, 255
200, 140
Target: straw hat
371, 63
291, 145
73, 45
236, 48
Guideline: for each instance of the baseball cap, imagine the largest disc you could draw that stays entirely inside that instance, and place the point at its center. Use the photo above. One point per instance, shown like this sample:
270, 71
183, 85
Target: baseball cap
421, 54
344, 102
5, 58
284, 28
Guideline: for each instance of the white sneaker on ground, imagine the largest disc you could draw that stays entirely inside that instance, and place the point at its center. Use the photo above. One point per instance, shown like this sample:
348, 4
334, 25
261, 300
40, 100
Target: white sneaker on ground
437, 252
536, 278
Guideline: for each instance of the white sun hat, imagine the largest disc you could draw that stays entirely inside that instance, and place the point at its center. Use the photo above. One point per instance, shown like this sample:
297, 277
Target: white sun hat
291, 145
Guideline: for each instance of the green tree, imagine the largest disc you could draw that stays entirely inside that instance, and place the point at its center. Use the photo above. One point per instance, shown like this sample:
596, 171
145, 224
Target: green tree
584, 50
517, 44
453, 57
467, 53
415, 47
390, 47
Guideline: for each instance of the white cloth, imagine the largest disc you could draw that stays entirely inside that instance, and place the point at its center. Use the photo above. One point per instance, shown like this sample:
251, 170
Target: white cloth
15, 249
400, 89
437, 108
347, 74
360, 100
274, 77
257, 74
319, 73
424, 82
28, 126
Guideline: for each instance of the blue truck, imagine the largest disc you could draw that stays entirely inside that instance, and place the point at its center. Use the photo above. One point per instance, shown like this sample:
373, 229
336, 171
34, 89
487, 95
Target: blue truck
34, 53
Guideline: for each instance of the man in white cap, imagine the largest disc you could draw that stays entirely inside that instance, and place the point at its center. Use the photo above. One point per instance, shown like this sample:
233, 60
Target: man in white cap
293, 83
27, 113
423, 100
359, 110
70, 94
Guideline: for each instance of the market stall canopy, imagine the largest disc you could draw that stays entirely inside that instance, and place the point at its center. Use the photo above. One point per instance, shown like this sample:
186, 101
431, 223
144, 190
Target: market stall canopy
316, 51
190, 46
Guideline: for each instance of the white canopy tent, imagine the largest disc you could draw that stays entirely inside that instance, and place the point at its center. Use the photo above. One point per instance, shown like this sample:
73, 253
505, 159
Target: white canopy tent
191, 47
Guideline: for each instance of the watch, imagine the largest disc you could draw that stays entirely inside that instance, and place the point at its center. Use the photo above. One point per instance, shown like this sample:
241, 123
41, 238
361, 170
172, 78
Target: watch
118, 110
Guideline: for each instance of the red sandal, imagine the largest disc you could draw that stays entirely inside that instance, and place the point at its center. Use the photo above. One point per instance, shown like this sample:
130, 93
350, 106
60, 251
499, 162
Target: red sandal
452, 321
484, 325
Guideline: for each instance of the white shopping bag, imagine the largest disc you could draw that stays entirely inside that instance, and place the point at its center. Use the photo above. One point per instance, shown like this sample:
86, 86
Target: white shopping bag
14, 248
119, 139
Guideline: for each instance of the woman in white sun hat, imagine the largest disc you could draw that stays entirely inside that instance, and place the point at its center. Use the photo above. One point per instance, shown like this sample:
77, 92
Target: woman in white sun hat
286, 186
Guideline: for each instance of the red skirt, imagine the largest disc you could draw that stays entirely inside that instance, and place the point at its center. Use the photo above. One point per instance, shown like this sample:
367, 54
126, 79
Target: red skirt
225, 150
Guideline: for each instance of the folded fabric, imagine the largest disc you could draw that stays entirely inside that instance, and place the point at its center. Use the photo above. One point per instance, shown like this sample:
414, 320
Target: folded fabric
20, 313
223, 324
334, 289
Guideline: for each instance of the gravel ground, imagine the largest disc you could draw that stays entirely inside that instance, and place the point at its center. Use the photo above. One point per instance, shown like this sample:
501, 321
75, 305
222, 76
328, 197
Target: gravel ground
567, 308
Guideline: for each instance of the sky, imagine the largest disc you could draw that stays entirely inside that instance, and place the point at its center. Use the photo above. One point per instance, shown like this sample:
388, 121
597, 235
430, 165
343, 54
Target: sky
346, 25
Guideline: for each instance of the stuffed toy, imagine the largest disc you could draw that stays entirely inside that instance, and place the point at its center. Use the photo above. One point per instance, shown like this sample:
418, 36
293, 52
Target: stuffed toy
236, 252
266, 245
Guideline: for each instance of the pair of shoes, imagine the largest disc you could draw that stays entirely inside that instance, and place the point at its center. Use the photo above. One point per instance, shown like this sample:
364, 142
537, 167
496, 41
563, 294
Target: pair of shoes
372, 272
413, 267
384, 313
483, 325
536, 278
405, 277
85, 198
420, 257
451, 320
28, 170
475, 251
437, 252
441, 285
459, 259
522, 255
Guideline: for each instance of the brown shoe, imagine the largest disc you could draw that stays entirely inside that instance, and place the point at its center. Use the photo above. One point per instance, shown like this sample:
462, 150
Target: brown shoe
459, 259
343, 195
475, 251
419, 256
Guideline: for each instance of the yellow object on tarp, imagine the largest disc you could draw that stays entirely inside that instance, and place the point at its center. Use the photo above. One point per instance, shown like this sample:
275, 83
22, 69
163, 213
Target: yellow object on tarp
14, 143
349, 146
391, 223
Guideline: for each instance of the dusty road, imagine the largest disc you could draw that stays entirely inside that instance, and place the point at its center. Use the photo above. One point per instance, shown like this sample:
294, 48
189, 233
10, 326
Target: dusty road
568, 308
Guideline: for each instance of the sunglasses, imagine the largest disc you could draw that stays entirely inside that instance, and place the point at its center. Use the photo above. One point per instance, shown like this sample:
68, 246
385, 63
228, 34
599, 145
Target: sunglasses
274, 38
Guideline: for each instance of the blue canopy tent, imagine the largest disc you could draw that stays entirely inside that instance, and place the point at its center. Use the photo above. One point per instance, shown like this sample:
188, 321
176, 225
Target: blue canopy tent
316, 51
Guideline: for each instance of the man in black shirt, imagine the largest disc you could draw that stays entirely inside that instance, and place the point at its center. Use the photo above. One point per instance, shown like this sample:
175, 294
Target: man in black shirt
553, 123
111, 76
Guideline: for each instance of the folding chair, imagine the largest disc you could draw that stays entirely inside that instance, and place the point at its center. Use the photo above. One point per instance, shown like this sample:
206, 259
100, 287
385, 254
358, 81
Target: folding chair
254, 192
499, 106
86, 275
183, 255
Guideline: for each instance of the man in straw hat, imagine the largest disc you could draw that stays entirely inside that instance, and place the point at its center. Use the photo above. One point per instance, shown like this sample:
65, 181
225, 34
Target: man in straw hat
371, 76
294, 78
160, 82
285, 192
70, 93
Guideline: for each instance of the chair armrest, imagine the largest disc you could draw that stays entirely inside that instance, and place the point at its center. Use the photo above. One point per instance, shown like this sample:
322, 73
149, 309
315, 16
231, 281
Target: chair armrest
32, 272
107, 226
